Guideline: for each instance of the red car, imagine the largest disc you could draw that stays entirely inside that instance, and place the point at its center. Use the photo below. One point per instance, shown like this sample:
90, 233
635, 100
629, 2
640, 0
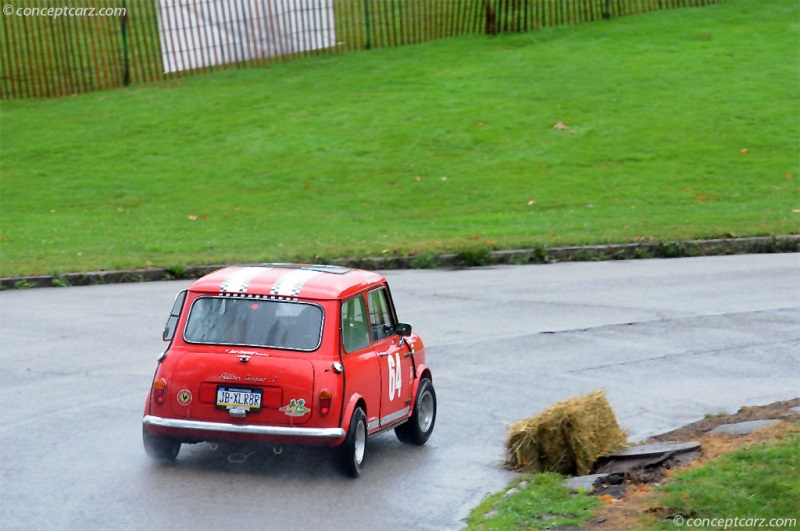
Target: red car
288, 354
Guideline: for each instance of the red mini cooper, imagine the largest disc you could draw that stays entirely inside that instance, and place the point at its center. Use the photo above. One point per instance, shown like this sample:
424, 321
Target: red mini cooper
288, 354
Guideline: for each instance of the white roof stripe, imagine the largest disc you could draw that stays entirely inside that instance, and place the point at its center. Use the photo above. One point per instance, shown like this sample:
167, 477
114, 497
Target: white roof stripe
239, 280
289, 285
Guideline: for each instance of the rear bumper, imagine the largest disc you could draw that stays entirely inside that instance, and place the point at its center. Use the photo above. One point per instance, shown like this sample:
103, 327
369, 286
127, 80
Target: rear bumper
245, 429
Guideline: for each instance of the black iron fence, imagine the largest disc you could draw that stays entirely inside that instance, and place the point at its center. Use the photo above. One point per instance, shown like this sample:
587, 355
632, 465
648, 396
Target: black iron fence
54, 48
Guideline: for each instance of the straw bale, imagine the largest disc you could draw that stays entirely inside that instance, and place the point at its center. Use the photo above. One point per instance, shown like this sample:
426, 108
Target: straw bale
567, 438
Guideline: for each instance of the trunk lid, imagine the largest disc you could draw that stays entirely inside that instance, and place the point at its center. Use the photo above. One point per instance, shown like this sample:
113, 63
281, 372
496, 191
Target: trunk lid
207, 384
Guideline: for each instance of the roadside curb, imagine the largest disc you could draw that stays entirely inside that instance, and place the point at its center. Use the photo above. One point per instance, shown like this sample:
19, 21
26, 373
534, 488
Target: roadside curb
469, 258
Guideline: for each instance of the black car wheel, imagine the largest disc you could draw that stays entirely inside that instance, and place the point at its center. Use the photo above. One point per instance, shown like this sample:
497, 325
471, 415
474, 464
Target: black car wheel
419, 427
159, 447
354, 448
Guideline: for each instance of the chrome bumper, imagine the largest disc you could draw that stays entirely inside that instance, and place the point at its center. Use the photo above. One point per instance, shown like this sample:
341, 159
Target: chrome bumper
247, 429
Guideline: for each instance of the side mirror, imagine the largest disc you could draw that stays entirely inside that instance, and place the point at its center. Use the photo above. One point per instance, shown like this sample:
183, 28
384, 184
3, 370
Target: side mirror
402, 329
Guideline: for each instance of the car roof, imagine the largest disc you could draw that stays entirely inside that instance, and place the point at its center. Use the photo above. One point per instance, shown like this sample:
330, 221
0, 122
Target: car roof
287, 281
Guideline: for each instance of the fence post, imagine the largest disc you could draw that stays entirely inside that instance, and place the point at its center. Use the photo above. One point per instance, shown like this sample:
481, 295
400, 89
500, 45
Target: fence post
126, 76
491, 19
607, 11
367, 28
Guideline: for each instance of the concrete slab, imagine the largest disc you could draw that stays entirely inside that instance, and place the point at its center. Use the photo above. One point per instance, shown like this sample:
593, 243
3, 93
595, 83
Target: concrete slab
583, 482
744, 428
658, 448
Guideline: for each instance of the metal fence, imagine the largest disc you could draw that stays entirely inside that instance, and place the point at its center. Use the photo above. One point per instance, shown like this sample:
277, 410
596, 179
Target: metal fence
54, 48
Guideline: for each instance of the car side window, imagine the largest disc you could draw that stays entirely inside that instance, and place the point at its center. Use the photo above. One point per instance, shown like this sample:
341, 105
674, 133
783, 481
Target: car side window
355, 328
174, 315
380, 315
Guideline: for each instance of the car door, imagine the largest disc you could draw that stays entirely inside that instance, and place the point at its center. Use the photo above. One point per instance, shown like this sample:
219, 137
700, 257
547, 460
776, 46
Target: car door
396, 365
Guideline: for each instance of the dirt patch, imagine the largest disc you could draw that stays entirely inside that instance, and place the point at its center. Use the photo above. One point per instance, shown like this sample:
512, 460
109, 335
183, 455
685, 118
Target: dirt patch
641, 497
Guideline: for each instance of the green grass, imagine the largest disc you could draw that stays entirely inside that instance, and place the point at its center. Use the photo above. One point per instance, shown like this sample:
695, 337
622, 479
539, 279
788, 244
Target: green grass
434, 147
760, 482
539, 501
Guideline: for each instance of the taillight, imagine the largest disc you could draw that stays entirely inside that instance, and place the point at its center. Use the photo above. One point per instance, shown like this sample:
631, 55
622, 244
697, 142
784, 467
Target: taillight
159, 391
325, 397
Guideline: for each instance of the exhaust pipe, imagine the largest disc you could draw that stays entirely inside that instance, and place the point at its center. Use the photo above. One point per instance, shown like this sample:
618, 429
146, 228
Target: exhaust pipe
213, 446
277, 450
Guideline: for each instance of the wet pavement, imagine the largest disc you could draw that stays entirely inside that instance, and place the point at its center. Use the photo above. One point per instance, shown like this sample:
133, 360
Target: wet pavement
668, 340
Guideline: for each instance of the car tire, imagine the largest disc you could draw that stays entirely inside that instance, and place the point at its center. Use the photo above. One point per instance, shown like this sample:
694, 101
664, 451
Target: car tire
160, 448
418, 428
354, 448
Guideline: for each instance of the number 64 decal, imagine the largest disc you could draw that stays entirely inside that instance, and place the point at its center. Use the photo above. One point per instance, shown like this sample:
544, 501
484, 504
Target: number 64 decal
395, 376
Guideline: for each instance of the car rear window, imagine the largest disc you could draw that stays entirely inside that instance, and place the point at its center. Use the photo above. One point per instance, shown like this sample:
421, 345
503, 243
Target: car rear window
255, 323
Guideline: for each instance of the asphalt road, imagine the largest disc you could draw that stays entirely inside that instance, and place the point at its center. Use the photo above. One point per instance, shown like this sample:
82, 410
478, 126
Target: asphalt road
668, 340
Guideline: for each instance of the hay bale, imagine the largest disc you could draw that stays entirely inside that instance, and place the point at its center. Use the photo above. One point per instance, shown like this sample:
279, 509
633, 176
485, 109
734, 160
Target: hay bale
566, 438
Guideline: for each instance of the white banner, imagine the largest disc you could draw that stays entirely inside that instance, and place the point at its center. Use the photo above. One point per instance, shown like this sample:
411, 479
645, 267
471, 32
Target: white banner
198, 33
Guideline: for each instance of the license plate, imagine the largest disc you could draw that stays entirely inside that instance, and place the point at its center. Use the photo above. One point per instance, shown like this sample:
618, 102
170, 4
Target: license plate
231, 397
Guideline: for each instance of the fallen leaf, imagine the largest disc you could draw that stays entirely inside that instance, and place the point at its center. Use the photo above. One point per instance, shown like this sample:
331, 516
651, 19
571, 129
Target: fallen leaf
561, 126
745, 151
192, 218
418, 178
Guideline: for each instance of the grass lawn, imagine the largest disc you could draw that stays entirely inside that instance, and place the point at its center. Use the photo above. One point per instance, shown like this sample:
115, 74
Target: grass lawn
537, 501
759, 486
755, 486
679, 124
